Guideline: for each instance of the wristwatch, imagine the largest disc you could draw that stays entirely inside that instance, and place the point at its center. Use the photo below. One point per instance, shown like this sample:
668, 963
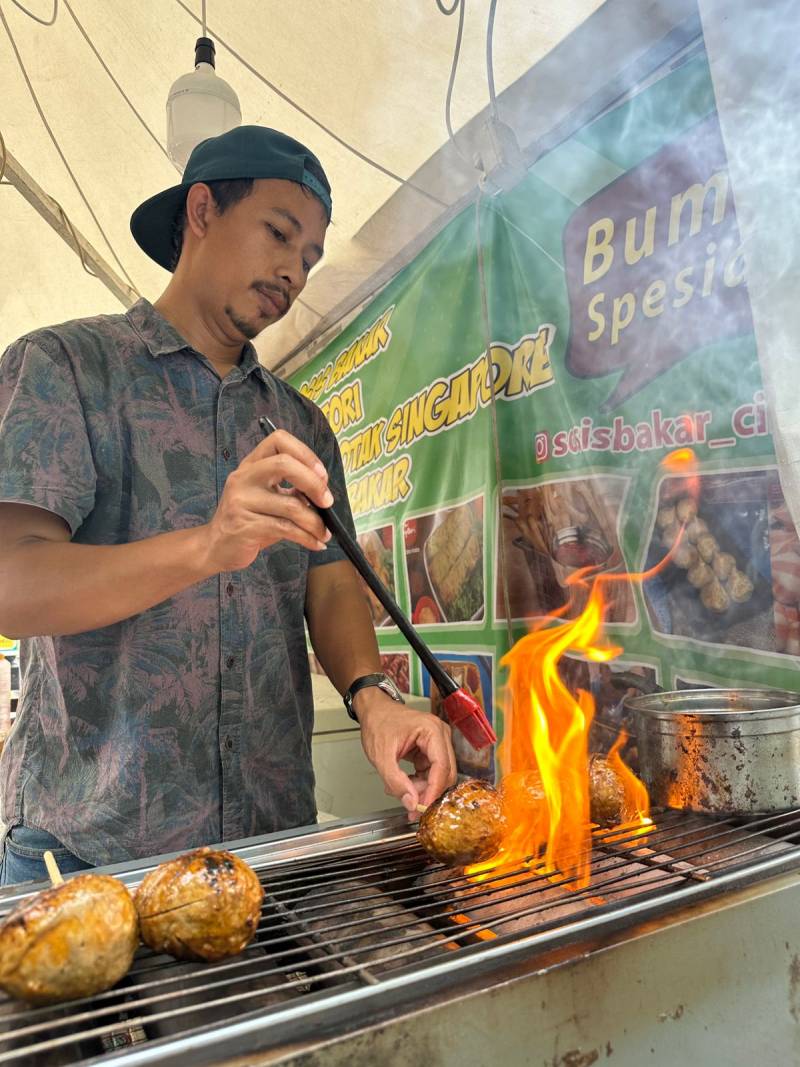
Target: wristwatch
382, 681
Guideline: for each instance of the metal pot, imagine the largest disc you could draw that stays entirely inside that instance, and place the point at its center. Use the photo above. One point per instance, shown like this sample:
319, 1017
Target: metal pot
722, 751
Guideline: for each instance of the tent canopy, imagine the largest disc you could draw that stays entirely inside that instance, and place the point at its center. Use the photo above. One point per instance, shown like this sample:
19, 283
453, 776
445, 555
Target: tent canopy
374, 74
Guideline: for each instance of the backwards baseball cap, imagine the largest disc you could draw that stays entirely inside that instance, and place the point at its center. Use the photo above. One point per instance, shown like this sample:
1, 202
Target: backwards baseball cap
244, 152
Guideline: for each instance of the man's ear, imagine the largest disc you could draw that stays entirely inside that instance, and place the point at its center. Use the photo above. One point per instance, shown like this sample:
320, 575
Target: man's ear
199, 206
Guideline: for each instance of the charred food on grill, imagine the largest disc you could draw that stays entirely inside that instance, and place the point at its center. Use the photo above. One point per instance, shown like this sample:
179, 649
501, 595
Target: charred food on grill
465, 825
201, 906
71, 941
606, 794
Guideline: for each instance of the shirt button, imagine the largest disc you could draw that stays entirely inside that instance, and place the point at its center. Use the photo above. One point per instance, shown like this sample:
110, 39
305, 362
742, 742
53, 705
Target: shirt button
229, 662
226, 453
229, 588
229, 742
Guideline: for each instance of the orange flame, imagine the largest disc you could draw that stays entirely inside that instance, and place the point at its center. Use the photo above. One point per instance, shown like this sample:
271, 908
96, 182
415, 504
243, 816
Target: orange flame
544, 754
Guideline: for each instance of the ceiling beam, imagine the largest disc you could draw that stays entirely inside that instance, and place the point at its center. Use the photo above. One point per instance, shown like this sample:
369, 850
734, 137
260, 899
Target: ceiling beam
52, 213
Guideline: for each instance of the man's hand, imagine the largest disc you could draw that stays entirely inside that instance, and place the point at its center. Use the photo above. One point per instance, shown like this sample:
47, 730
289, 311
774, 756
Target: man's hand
256, 511
391, 732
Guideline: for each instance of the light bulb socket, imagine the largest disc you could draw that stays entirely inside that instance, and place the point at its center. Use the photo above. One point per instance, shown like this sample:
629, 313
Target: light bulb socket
204, 52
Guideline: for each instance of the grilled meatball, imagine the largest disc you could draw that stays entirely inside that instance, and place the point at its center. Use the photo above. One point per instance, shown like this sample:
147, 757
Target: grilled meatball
715, 598
700, 574
670, 534
707, 547
465, 825
685, 556
696, 529
201, 906
665, 517
740, 587
606, 794
686, 509
71, 941
723, 565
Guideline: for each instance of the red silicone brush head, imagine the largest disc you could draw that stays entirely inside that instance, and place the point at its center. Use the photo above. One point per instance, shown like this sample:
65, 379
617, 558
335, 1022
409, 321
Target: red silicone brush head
466, 714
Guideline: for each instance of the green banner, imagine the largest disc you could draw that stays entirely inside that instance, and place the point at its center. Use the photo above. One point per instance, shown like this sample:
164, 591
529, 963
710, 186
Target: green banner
482, 476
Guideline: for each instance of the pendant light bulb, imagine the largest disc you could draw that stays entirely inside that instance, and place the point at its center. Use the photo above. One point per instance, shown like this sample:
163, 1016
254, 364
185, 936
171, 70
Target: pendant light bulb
199, 105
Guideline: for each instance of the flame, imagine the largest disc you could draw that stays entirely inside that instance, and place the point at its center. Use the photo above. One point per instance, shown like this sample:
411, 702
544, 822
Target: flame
544, 754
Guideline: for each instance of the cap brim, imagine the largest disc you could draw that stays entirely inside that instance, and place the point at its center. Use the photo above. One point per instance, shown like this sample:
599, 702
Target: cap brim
152, 222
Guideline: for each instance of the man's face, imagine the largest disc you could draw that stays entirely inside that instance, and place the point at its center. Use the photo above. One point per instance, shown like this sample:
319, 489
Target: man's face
254, 259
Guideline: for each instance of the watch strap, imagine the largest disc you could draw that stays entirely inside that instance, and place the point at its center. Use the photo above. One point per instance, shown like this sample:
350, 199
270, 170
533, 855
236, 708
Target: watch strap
380, 681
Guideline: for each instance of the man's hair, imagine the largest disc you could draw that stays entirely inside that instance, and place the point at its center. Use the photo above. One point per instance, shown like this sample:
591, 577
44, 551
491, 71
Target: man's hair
226, 193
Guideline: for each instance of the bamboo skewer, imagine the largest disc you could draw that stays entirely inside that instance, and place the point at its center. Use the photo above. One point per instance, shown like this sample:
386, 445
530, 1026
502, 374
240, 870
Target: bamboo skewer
52, 868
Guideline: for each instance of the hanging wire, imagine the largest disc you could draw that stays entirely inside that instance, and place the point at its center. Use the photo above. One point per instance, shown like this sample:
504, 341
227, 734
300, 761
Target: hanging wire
489, 57
121, 91
447, 10
320, 125
203, 9
58, 149
462, 6
30, 14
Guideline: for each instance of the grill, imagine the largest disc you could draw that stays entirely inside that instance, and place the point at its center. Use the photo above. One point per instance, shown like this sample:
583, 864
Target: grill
356, 921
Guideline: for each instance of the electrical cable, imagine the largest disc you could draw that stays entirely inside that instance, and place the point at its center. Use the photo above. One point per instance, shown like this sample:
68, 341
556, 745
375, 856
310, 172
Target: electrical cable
307, 114
489, 58
58, 149
461, 5
447, 10
121, 91
203, 9
30, 14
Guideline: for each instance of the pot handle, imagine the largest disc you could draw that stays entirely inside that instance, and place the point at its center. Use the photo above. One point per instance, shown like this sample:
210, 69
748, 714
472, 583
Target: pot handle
629, 680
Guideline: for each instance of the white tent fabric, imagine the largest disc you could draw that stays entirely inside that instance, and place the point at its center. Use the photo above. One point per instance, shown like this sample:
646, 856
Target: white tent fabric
374, 72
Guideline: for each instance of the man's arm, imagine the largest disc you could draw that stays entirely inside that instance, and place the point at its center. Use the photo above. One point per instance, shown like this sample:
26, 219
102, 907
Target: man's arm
49, 585
343, 637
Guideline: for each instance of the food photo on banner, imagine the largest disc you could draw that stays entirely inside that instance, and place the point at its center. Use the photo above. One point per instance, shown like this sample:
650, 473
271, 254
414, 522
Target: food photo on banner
473, 672
508, 450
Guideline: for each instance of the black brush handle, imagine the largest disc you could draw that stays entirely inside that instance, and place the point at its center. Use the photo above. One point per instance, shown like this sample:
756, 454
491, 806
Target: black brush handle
352, 550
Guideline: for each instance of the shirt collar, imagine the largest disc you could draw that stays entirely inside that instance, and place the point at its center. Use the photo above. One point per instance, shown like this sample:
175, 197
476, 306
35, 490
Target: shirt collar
162, 339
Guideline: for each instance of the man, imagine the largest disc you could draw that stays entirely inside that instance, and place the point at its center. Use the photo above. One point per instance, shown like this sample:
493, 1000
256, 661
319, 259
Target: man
154, 559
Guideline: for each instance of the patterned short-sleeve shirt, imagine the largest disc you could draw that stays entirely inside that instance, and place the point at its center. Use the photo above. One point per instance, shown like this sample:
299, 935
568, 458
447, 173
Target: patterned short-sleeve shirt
191, 722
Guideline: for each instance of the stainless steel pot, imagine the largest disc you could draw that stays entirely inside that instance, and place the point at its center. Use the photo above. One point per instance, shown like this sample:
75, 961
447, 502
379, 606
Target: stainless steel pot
724, 751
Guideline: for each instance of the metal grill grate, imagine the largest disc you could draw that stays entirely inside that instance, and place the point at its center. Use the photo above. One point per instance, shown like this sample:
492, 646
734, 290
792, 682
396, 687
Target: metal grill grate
360, 919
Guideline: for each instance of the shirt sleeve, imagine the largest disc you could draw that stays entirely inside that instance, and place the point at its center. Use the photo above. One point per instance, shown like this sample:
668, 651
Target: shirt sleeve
327, 448
45, 453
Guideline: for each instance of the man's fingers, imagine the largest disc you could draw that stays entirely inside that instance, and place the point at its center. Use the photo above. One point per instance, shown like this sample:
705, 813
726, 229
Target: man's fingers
282, 443
270, 471
433, 748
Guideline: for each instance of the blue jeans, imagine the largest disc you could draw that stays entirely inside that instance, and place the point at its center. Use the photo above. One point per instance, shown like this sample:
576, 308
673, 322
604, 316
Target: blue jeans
23, 856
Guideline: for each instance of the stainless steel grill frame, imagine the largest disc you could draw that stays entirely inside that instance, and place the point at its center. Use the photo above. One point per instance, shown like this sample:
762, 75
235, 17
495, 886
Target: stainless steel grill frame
328, 966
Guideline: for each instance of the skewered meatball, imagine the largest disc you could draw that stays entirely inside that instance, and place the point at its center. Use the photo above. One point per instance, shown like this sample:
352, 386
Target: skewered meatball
740, 587
715, 598
707, 547
700, 574
696, 529
201, 906
665, 517
723, 565
686, 509
606, 794
685, 556
71, 941
465, 825
670, 534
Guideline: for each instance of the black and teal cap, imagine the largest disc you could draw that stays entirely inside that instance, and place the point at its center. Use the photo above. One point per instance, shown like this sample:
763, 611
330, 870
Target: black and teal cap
244, 152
